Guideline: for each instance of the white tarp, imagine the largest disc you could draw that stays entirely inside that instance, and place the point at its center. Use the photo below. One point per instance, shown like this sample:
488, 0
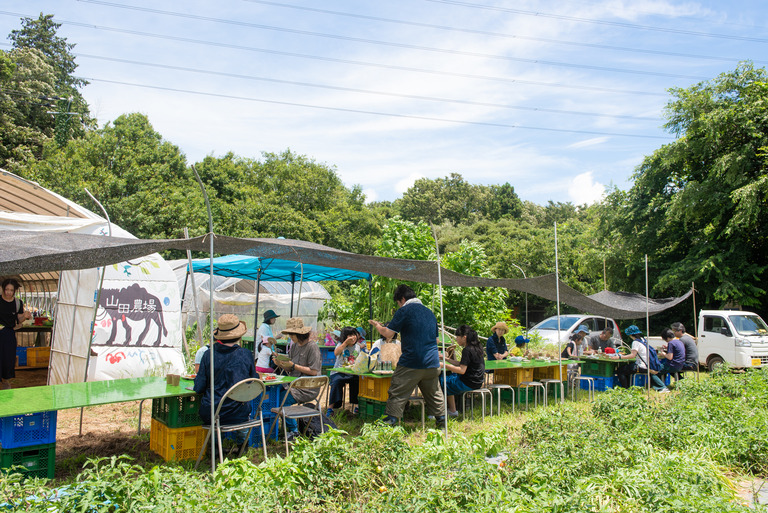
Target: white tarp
138, 320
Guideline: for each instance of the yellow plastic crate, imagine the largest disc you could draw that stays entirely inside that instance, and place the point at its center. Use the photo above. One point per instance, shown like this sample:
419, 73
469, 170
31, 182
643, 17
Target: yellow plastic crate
176, 443
550, 373
38, 356
512, 377
374, 388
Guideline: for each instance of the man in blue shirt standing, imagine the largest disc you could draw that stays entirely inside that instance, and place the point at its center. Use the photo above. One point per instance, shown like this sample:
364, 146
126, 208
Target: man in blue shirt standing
419, 364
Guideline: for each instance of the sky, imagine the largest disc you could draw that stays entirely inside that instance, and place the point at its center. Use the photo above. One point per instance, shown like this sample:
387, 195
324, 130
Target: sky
560, 98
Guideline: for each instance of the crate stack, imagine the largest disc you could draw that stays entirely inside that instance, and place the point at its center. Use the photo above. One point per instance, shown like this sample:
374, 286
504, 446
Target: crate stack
372, 397
176, 432
601, 372
329, 360
273, 398
28, 442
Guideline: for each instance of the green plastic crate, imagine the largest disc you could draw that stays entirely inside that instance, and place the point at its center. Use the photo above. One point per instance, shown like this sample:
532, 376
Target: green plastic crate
371, 409
554, 390
598, 369
35, 460
176, 412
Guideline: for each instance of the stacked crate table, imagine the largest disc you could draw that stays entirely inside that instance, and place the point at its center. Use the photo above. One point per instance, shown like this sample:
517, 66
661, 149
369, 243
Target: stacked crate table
513, 373
602, 369
373, 392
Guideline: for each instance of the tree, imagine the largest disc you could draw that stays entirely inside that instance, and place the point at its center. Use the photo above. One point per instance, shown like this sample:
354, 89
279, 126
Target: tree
26, 85
443, 199
698, 205
40, 34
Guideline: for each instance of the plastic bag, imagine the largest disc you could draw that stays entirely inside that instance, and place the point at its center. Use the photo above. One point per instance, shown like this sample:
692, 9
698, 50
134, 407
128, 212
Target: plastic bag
365, 363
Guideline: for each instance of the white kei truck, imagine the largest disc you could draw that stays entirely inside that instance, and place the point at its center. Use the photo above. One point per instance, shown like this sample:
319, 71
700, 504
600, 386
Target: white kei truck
733, 336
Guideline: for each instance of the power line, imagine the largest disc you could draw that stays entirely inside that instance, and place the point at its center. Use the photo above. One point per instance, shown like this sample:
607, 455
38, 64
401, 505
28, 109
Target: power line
445, 51
375, 113
366, 91
359, 63
601, 22
486, 32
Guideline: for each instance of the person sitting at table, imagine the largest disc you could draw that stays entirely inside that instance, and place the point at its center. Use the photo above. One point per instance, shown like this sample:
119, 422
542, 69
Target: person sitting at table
384, 340
232, 364
520, 343
496, 345
574, 347
347, 349
199, 354
638, 352
600, 342
468, 374
672, 353
303, 360
264, 355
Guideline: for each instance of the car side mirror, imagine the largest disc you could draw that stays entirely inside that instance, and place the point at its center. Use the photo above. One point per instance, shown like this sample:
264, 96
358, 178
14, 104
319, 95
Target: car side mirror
725, 331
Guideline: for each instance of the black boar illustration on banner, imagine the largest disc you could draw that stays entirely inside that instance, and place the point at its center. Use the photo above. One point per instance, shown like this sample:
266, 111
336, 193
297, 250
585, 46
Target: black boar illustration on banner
133, 303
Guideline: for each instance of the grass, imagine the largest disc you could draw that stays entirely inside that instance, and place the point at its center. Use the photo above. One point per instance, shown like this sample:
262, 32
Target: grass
626, 452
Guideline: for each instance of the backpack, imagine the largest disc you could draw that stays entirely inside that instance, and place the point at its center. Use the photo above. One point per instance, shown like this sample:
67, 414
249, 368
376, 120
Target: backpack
313, 428
653, 357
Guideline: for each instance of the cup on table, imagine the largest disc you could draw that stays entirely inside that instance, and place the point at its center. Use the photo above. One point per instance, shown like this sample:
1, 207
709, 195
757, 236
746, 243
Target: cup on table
172, 379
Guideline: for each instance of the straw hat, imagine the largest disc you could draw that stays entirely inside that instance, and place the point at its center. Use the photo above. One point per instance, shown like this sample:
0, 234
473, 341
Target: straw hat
296, 326
500, 326
229, 327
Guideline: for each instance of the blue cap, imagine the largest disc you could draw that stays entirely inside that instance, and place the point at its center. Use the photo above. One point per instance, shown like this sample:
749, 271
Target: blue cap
633, 330
361, 331
520, 340
582, 329
336, 333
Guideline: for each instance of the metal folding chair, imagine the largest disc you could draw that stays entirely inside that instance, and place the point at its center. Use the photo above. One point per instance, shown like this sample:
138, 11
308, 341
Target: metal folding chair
298, 410
244, 391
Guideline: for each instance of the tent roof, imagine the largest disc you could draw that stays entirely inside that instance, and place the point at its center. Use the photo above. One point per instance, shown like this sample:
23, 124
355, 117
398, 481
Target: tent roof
272, 269
24, 251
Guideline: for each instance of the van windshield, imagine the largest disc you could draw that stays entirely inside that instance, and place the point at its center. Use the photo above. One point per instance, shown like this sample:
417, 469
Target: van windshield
566, 322
749, 325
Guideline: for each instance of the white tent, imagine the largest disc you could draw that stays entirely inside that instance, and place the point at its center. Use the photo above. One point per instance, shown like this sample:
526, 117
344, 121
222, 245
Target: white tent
133, 327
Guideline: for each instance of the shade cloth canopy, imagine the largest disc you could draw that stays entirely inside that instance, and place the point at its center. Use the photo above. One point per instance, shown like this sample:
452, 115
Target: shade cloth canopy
271, 269
23, 252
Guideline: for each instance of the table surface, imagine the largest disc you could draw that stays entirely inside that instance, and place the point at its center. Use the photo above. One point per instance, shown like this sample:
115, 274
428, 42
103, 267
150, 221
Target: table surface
20, 401
347, 370
35, 329
531, 364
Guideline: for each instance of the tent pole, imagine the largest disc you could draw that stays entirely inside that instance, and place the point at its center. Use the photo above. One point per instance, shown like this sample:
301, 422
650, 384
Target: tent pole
695, 325
370, 298
648, 331
557, 296
191, 274
301, 285
442, 328
256, 308
96, 308
210, 316
293, 281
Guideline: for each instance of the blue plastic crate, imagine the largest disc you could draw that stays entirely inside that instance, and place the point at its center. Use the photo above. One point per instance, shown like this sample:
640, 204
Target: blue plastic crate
329, 358
255, 439
274, 396
601, 383
26, 430
21, 353
638, 380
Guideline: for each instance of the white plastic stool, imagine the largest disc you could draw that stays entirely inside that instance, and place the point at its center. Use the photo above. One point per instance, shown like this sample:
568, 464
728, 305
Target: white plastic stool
536, 385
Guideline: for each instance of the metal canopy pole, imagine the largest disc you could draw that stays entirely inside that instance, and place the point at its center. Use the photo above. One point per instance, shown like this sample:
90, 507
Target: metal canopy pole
293, 280
210, 315
370, 298
256, 308
442, 329
557, 296
96, 308
648, 332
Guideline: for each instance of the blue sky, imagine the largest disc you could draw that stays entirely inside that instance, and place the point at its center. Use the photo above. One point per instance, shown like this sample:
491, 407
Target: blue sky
559, 98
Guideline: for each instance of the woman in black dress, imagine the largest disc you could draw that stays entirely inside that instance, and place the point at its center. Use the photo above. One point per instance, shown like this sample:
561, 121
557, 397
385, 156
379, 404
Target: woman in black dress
11, 313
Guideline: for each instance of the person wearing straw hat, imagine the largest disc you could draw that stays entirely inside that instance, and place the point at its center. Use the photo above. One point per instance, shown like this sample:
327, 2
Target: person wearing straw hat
232, 364
303, 360
419, 363
496, 345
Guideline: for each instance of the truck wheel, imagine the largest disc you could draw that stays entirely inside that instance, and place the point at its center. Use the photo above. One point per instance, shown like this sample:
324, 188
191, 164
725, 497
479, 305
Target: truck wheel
715, 360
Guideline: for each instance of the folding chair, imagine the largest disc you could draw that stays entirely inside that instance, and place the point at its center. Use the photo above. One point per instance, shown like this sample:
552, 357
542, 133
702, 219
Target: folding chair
244, 391
298, 410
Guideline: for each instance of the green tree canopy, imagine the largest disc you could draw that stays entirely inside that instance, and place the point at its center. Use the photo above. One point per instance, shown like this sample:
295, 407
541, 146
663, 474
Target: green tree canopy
698, 205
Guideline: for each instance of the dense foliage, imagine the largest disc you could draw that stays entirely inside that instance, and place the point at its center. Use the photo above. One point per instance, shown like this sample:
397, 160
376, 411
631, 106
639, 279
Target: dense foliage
624, 453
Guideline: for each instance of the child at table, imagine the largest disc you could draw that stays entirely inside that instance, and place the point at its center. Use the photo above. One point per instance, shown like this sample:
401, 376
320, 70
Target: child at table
469, 373
264, 355
347, 349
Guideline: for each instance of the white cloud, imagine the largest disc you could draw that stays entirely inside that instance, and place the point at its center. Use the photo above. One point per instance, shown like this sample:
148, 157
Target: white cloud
584, 189
370, 195
588, 142
403, 185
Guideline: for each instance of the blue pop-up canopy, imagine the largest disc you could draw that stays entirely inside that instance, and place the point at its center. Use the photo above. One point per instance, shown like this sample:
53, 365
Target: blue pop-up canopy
272, 269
